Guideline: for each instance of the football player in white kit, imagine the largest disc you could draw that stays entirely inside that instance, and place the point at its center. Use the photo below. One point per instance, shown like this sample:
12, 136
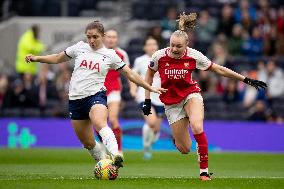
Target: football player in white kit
152, 126
87, 94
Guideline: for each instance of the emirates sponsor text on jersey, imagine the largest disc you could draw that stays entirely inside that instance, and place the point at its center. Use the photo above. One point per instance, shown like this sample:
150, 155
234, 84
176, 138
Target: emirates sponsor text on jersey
176, 73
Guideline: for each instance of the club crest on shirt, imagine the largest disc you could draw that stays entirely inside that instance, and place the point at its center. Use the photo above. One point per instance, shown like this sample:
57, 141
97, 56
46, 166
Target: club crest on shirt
152, 64
186, 65
167, 64
104, 57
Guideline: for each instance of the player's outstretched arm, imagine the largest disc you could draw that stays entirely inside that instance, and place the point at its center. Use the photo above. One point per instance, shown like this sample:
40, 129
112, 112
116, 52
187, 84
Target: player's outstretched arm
134, 77
146, 108
221, 70
149, 79
132, 89
49, 59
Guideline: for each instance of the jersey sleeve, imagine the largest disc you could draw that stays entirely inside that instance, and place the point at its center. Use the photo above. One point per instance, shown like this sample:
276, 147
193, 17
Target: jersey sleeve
202, 62
117, 63
153, 64
71, 51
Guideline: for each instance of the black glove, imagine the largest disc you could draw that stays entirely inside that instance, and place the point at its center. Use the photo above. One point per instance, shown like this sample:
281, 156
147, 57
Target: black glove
146, 108
255, 83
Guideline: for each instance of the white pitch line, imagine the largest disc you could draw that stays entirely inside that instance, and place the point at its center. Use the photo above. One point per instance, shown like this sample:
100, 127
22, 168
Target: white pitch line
131, 177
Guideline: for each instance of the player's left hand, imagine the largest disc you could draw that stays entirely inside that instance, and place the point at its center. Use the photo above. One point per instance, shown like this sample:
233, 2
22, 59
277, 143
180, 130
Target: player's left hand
255, 83
158, 90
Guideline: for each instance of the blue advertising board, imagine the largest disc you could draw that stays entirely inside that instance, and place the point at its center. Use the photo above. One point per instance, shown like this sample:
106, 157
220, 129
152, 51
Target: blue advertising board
222, 136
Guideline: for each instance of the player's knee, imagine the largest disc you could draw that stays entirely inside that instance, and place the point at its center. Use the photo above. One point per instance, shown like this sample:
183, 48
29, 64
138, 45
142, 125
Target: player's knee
155, 128
151, 124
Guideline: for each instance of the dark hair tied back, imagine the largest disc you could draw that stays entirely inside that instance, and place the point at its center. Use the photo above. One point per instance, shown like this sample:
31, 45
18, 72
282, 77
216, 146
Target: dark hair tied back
96, 25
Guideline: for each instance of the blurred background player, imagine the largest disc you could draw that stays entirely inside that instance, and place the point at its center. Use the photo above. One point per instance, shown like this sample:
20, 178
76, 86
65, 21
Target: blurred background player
152, 126
87, 94
183, 101
28, 44
114, 87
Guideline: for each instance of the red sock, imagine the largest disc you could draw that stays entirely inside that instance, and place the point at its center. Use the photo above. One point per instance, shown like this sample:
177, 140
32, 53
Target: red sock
118, 135
202, 149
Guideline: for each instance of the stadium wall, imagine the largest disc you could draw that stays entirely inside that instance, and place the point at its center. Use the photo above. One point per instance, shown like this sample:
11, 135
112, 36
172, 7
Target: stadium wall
222, 135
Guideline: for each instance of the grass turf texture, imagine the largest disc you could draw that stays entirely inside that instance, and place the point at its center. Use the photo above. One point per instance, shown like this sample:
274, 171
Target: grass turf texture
57, 168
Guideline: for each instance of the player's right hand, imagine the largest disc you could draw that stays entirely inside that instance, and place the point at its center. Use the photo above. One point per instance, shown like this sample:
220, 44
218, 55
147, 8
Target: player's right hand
158, 90
30, 58
146, 108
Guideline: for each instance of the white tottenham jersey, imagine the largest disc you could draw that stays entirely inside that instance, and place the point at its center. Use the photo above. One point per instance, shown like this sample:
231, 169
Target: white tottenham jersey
91, 67
141, 66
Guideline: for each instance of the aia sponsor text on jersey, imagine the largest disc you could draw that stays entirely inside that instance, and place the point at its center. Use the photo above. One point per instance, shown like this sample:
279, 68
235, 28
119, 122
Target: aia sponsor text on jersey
90, 65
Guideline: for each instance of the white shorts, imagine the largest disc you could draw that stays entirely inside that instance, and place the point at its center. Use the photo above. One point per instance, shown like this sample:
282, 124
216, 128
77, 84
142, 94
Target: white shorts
113, 96
176, 112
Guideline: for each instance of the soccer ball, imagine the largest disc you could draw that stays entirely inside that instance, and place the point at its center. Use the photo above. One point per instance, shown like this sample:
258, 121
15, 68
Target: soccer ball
105, 170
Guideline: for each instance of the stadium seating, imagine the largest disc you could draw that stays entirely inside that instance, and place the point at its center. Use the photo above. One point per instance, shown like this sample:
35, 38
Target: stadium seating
141, 15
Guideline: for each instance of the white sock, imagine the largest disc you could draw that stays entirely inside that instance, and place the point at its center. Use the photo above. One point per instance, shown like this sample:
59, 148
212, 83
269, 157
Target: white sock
109, 140
151, 135
103, 148
204, 170
146, 132
97, 153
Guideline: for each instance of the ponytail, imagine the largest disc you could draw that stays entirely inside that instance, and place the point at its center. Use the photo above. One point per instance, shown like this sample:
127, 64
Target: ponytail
187, 22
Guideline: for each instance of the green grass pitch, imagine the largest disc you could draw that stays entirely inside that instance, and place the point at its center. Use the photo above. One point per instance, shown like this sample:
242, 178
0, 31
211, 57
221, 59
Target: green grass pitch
58, 168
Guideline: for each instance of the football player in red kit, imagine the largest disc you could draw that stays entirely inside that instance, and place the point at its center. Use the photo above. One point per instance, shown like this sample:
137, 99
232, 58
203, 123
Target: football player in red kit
183, 101
114, 87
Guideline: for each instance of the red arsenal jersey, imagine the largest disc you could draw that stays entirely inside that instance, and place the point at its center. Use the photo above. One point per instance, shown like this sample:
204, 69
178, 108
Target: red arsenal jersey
176, 74
112, 81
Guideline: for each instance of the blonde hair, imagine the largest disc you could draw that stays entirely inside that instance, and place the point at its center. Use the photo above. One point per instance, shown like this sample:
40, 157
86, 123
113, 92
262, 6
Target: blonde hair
185, 23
